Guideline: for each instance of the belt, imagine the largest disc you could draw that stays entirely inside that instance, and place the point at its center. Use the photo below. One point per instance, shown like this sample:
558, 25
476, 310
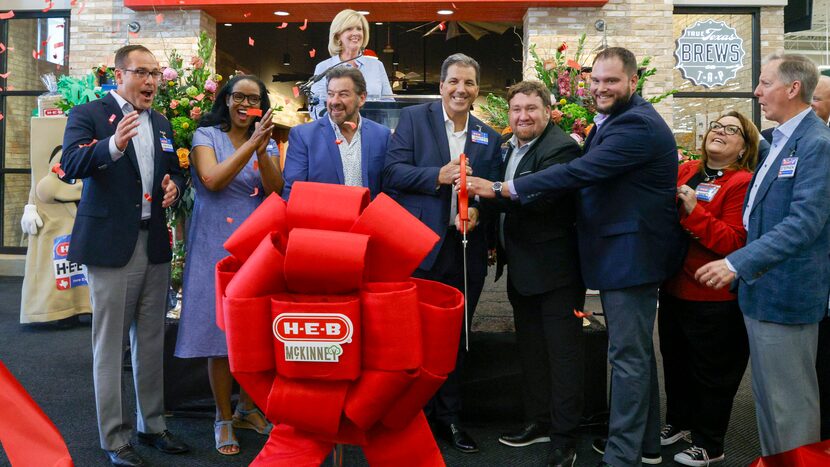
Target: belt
144, 224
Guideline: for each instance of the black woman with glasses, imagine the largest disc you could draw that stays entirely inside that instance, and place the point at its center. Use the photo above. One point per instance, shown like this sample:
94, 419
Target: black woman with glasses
232, 173
702, 335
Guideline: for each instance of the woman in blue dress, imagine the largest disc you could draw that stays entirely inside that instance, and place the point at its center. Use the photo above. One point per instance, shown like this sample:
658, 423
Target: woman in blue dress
232, 173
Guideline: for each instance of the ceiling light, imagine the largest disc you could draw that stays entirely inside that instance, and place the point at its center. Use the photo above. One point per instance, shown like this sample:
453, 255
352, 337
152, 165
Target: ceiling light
379, 23
445, 12
228, 24
282, 13
363, 12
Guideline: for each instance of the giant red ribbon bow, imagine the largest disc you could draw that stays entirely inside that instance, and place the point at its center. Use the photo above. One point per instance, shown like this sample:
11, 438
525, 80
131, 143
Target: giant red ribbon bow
327, 331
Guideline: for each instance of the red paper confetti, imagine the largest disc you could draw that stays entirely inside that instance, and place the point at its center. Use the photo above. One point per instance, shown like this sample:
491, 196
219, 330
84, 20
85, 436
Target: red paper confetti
256, 192
582, 314
286, 100
296, 91
282, 26
351, 125
1, 116
89, 144
246, 14
58, 170
58, 45
81, 9
7, 15
148, 197
312, 53
442, 25
159, 18
1, 89
5, 75
133, 34
36, 54
10, 88
73, 2
305, 25
112, 118
229, 220
250, 41
48, 38
59, 26
338, 141
48, 6
256, 165
255, 112
2, 47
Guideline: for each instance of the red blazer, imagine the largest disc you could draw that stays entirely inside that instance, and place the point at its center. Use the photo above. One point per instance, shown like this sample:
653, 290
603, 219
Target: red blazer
716, 229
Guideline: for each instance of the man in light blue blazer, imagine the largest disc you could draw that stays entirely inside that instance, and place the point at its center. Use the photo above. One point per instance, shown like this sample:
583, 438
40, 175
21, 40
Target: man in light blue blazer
782, 274
342, 148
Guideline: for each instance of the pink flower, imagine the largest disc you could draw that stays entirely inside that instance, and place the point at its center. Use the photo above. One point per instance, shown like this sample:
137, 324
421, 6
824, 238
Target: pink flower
195, 113
170, 74
197, 62
564, 83
174, 104
580, 92
210, 85
577, 138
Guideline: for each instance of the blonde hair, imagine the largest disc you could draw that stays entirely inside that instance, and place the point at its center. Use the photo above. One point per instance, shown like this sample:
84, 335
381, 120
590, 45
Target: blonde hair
342, 21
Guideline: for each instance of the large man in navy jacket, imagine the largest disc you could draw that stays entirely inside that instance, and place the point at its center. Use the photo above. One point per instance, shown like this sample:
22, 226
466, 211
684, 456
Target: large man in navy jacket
124, 152
420, 165
782, 274
343, 147
628, 239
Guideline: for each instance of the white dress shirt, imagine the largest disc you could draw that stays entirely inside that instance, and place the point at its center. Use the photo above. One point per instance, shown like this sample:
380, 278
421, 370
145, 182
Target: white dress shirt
350, 155
144, 150
457, 140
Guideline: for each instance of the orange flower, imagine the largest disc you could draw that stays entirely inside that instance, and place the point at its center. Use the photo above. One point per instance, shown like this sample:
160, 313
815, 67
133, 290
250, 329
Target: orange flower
183, 154
588, 129
549, 64
556, 115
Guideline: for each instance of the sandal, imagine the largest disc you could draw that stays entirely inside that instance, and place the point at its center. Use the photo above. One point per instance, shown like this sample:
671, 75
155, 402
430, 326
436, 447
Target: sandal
241, 420
225, 426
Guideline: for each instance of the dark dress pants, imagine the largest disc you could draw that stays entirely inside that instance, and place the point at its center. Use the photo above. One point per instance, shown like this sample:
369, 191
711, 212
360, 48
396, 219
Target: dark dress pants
705, 352
445, 405
552, 354
823, 373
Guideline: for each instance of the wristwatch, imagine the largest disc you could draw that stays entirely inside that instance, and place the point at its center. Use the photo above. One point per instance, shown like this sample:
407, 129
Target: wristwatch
497, 189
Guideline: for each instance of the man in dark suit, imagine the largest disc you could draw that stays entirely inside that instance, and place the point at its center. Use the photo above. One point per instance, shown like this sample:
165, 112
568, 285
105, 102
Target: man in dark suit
344, 147
783, 272
628, 239
124, 152
422, 160
537, 243
821, 106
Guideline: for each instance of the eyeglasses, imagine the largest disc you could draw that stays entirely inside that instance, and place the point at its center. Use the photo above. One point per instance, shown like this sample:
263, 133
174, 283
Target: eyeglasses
253, 99
728, 129
142, 73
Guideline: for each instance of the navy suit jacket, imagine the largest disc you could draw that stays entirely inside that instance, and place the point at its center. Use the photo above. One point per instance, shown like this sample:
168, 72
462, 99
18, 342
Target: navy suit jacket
783, 272
627, 219
107, 223
417, 151
313, 155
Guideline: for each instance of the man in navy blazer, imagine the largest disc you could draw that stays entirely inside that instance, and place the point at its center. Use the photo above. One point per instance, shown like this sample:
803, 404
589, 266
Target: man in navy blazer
124, 152
344, 147
628, 239
422, 160
783, 273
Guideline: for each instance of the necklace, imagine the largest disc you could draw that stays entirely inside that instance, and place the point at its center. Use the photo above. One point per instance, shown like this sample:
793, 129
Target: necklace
711, 176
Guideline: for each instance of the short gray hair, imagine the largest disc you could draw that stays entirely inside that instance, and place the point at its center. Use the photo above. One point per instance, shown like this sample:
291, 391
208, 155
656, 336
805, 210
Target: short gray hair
460, 60
796, 67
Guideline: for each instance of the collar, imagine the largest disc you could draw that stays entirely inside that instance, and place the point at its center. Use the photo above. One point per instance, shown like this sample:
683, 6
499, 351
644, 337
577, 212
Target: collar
337, 128
787, 128
599, 119
123, 104
447, 119
360, 64
515, 142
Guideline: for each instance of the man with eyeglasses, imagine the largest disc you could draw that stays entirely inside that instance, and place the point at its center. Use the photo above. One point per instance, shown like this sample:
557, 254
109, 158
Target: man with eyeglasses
342, 147
124, 152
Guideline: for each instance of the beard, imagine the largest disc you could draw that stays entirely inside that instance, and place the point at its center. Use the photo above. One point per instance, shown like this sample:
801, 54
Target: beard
619, 103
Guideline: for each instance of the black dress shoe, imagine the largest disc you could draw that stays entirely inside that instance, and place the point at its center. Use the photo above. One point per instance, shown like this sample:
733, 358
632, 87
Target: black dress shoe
125, 456
456, 437
164, 442
562, 457
530, 434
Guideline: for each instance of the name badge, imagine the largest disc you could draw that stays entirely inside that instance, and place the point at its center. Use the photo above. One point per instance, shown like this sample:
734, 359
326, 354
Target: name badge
706, 191
166, 144
787, 169
480, 137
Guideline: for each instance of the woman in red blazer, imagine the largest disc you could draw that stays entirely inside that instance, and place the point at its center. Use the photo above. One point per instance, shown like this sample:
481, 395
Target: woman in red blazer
702, 334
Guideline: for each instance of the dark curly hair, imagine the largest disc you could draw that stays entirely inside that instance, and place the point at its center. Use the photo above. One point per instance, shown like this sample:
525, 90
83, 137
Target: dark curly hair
220, 115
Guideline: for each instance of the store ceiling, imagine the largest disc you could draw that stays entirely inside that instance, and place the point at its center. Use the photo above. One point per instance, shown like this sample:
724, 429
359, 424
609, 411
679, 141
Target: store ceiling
259, 11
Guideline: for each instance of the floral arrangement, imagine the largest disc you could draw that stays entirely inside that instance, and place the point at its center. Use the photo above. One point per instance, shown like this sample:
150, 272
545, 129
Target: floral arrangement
573, 105
185, 94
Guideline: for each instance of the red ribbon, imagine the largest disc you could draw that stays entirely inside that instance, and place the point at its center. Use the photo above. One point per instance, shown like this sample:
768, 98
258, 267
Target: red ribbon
325, 277
812, 455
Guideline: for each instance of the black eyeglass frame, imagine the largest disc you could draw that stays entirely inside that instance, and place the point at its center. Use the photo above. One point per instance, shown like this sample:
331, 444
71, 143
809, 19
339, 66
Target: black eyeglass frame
253, 99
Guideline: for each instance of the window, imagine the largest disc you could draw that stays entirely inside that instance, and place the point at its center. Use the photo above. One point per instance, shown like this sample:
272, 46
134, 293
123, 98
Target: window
694, 105
36, 43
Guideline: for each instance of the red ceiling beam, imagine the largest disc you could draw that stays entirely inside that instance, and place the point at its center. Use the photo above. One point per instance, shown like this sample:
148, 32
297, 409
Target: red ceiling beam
262, 11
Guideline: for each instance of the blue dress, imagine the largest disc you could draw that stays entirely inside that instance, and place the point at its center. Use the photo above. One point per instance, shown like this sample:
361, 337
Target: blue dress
207, 231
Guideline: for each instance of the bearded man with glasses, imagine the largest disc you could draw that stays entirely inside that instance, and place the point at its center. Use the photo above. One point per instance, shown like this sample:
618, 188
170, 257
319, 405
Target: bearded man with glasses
124, 152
